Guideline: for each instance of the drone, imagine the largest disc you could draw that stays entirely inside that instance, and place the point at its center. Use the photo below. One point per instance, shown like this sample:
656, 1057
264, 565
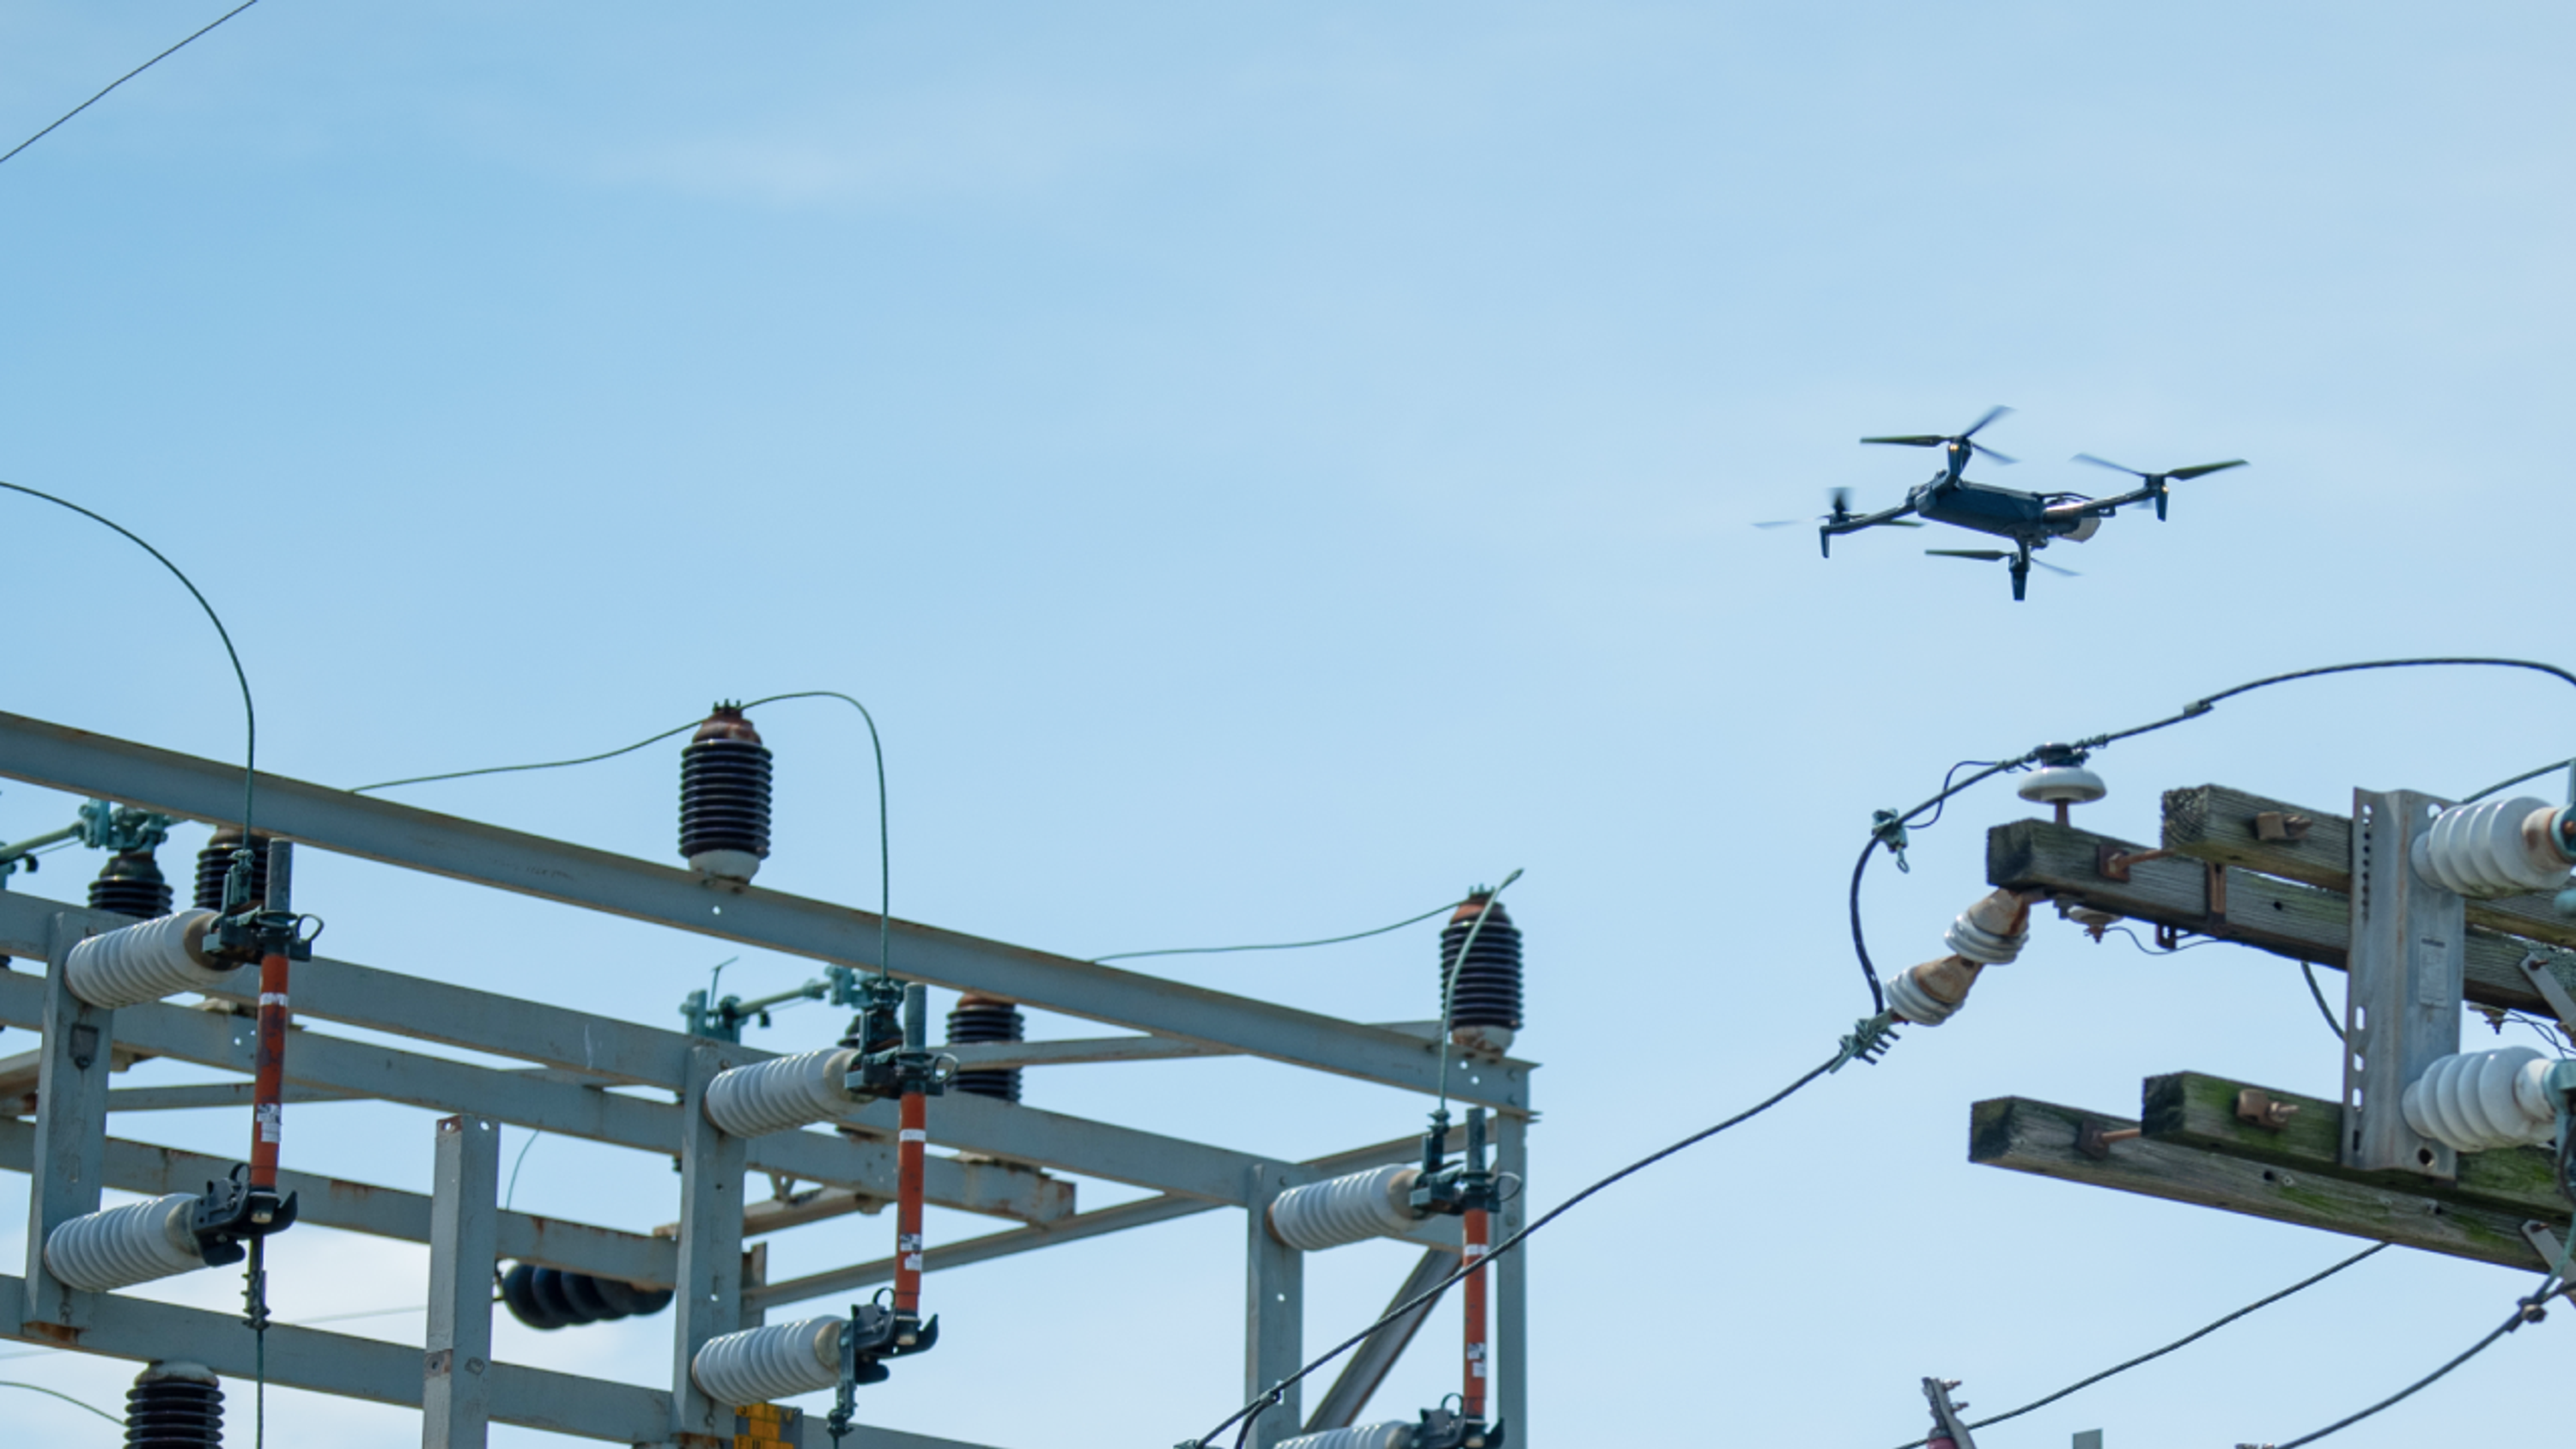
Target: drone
2031, 521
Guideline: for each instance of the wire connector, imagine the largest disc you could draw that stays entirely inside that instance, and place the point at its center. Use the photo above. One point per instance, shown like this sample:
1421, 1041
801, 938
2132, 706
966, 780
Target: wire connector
1888, 829
1868, 1040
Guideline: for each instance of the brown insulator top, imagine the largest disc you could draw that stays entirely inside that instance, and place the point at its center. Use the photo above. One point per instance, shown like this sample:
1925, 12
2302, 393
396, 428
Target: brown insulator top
727, 723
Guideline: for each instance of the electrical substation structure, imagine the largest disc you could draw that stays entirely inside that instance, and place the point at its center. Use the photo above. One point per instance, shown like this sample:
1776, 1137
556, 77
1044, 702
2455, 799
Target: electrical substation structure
836, 1132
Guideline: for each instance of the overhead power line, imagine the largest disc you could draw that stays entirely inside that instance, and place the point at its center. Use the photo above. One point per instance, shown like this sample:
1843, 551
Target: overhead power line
129, 75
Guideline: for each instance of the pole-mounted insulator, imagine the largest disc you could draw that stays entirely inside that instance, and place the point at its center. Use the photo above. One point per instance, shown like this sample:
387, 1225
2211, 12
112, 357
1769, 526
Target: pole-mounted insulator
2478, 1101
1485, 1004
119, 1247
175, 1404
216, 861
549, 1298
1990, 933
724, 797
780, 1094
777, 1361
131, 884
976, 1021
1352, 1208
145, 962
1393, 1435
2498, 848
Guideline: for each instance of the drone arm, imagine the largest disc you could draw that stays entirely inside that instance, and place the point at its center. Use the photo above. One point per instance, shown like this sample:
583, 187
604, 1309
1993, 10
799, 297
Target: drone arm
1869, 520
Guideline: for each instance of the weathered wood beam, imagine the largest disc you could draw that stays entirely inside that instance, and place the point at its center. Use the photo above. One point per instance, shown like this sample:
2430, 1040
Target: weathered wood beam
2301, 922
2213, 822
2040, 1137
2191, 1109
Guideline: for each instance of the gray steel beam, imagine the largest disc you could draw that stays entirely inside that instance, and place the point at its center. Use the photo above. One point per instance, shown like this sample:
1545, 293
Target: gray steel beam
456, 1408
1376, 1356
1274, 1310
2402, 985
71, 1125
85, 764
708, 1303
994, 1056
364, 1069
1512, 1284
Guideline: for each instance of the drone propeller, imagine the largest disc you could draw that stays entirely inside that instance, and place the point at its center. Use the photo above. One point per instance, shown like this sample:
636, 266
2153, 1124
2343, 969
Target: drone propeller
2156, 481
1838, 502
1996, 555
1944, 440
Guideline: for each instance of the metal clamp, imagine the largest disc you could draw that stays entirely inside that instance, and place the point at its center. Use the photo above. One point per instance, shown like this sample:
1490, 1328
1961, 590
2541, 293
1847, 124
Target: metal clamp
2259, 1108
2094, 1140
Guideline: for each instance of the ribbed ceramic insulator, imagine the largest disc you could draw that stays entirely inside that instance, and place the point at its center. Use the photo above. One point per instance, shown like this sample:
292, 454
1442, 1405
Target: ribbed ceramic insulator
131, 884
724, 797
122, 1246
548, 1298
1933, 992
1487, 997
215, 862
175, 1405
1397, 1435
2482, 1100
1991, 932
1348, 1209
781, 1093
2493, 848
977, 1020
759, 1365
144, 962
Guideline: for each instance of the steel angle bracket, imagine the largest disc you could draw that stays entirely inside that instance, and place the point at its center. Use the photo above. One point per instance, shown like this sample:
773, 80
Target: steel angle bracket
2406, 969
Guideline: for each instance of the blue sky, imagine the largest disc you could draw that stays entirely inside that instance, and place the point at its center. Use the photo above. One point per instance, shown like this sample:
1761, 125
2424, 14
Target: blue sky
1269, 467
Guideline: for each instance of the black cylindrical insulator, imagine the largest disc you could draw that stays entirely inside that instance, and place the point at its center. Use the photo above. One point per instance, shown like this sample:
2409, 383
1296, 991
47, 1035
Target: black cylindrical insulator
131, 885
549, 1298
519, 1295
1489, 985
216, 860
626, 1300
175, 1405
978, 1019
724, 797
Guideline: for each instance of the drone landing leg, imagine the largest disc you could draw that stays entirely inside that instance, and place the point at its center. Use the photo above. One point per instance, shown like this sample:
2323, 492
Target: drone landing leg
2021, 575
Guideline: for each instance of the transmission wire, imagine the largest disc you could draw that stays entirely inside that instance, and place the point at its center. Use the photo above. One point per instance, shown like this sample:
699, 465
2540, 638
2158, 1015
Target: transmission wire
1280, 945
2314, 990
2479, 1347
2516, 780
1273, 1394
57, 1393
2194, 1336
129, 75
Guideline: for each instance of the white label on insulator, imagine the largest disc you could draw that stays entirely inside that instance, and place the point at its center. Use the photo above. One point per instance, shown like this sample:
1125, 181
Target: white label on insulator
912, 1134
272, 1123
272, 998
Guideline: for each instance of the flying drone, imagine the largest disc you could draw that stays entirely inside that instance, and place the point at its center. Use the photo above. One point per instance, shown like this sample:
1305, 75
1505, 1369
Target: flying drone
2031, 521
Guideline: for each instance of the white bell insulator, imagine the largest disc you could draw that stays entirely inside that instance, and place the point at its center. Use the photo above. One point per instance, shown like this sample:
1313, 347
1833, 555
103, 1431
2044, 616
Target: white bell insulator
1350, 1209
2064, 785
2482, 1100
1398, 1435
2493, 848
762, 1365
1992, 931
1933, 992
780, 1094
101, 1252
144, 962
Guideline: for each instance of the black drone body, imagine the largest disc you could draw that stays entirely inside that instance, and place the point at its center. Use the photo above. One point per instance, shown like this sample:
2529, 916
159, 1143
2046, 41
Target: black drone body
2029, 521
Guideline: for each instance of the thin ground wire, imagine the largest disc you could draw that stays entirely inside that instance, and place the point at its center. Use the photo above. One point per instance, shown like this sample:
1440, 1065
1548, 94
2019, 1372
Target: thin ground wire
1205, 1441
2410, 1390
1280, 945
66, 1398
885, 835
1884, 833
515, 1164
250, 716
129, 75
1449, 986
2189, 1338
2516, 780
2310, 971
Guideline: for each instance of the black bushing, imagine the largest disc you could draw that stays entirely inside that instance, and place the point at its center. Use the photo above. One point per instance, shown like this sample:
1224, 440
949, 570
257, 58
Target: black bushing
216, 861
979, 1019
131, 885
724, 796
1488, 992
175, 1406
549, 1298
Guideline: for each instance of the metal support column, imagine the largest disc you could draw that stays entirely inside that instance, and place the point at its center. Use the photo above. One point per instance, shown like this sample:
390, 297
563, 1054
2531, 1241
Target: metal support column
71, 1127
464, 1222
708, 1300
1274, 1319
2405, 972
1511, 1283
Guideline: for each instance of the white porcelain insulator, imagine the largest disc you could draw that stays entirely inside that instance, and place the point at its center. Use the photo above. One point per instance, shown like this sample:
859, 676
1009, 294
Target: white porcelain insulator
780, 1094
761, 1365
736, 865
2478, 1101
2063, 784
122, 1246
2493, 848
1396, 1435
1932, 993
1991, 932
144, 962
1350, 1209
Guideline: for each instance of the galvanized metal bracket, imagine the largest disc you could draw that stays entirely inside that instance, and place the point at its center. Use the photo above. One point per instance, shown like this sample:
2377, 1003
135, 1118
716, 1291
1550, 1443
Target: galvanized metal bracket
2406, 968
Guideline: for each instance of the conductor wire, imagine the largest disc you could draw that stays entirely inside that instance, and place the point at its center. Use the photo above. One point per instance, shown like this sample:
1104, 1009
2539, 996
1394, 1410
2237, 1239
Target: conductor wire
129, 75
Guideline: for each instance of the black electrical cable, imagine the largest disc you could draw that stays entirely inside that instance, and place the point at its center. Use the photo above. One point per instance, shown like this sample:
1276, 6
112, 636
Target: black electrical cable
2479, 1347
2189, 1338
1273, 1393
1281, 945
1889, 828
2318, 992
66, 1398
2147, 950
129, 75
2516, 780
